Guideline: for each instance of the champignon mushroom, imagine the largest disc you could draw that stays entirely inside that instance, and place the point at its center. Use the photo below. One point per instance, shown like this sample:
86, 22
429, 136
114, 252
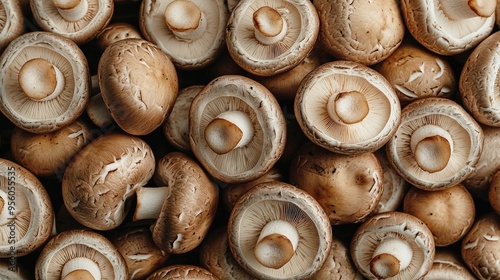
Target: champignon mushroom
364, 31
80, 254
270, 37
278, 231
449, 27
116, 31
78, 20
237, 129
437, 145
494, 192
98, 112
182, 272
448, 265
138, 83
45, 82
13, 270
190, 32
393, 245
11, 22
347, 107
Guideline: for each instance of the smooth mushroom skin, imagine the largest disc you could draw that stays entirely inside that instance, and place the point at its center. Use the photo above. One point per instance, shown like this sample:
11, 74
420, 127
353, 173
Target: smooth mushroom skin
139, 84
63, 107
182, 271
328, 107
116, 31
393, 226
445, 33
267, 55
448, 265
481, 246
26, 213
494, 193
87, 244
11, 22
437, 144
349, 33
103, 175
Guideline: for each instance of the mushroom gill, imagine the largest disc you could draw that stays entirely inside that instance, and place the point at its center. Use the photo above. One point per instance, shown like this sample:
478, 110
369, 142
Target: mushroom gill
14, 221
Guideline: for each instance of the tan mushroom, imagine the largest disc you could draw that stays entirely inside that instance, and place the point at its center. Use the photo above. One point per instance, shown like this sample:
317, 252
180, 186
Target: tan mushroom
116, 31
338, 265
98, 112
11, 22
494, 192
448, 265
182, 272
13, 270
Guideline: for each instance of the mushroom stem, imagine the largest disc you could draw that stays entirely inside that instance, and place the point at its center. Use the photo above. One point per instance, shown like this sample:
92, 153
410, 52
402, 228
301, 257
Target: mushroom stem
185, 20
347, 107
270, 26
71, 10
391, 256
432, 147
40, 80
228, 131
149, 202
80, 268
463, 9
276, 244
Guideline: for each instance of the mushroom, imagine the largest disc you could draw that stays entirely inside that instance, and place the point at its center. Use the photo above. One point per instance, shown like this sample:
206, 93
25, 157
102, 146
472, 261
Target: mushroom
98, 112
11, 22
364, 31
45, 82
237, 129
448, 213
181, 272
13, 270
102, 176
448, 265
190, 32
270, 37
494, 192
437, 145
78, 20
278, 231
348, 187
80, 254
449, 27
138, 83
393, 245
347, 107
116, 31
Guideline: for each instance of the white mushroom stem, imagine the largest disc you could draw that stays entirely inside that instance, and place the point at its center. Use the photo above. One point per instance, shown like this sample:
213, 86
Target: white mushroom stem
228, 131
40, 80
185, 20
348, 107
80, 268
464, 9
149, 202
390, 257
432, 147
98, 112
270, 26
276, 244
71, 10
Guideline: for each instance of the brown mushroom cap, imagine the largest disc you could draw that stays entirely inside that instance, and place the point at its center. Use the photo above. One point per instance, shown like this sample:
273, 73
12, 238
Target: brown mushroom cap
182, 271
116, 31
448, 265
12, 22
494, 193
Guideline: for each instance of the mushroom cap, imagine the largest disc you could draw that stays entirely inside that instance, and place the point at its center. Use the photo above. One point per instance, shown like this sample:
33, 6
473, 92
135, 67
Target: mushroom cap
53, 114
182, 271
494, 193
31, 222
80, 243
448, 265
466, 135
238, 93
279, 200
193, 54
100, 178
364, 31
338, 265
116, 31
389, 225
138, 83
12, 22
260, 59
438, 32
329, 81
81, 31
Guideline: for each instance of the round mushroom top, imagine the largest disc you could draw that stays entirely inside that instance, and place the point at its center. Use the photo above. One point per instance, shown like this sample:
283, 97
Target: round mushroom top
257, 119
448, 265
11, 22
437, 145
347, 107
442, 31
190, 45
138, 83
258, 48
67, 75
182, 272
80, 21
116, 31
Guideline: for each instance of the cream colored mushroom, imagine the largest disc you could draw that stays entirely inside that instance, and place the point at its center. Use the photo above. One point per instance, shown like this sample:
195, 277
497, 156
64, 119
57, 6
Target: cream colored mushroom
11, 22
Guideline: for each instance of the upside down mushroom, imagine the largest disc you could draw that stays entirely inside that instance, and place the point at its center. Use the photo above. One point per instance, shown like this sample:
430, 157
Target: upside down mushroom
11, 22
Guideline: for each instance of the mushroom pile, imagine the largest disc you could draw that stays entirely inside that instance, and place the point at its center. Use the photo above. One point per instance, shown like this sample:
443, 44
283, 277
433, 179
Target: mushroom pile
249, 139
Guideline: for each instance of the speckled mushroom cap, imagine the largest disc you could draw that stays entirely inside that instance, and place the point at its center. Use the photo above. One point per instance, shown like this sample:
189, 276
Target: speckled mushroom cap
11, 22
138, 83
448, 265
349, 33
31, 220
442, 32
347, 107
261, 113
72, 244
81, 23
63, 106
271, 54
189, 47
182, 272
481, 247
437, 145
102, 176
